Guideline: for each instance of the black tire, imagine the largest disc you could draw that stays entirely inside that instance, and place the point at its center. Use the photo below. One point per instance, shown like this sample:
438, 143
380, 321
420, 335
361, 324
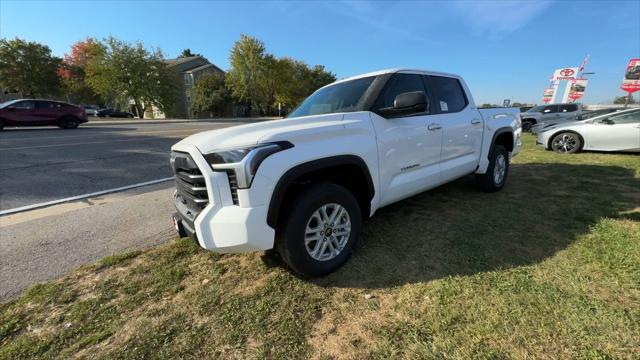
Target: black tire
527, 125
566, 143
130, 116
489, 181
290, 241
69, 123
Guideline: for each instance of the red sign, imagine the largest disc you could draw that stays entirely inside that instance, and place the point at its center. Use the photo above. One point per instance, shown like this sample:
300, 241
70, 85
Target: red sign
631, 81
578, 86
548, 94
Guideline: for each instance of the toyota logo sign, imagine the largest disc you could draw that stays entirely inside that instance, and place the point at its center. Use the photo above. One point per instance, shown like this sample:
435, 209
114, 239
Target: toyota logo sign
567, 72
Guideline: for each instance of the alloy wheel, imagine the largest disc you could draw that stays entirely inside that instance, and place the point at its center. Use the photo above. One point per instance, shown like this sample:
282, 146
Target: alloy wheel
564, 143
499, 169
327, 232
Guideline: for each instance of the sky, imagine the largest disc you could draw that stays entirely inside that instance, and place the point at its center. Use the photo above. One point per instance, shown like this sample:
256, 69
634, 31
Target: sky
503, 49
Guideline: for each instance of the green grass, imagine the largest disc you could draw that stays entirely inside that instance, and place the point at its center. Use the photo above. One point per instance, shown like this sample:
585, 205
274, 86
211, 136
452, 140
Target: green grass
547, 268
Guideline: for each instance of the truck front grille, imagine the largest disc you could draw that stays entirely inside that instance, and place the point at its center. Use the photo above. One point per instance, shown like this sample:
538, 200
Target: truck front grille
191, 189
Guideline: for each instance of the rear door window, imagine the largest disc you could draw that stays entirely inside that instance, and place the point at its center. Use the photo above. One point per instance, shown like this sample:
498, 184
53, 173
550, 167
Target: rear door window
568, 108
448, 93
44, 105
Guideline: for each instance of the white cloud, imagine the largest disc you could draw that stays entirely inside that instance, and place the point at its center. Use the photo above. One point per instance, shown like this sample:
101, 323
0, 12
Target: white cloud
498, 18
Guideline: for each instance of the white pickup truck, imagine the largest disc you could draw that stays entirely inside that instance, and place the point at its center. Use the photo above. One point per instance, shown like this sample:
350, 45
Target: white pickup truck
304, 184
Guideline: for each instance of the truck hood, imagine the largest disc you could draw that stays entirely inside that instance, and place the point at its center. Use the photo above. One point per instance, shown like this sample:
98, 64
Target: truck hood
256, 133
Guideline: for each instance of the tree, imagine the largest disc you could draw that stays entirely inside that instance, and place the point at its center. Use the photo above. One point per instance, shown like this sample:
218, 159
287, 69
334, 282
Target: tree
28, 68
210, 94
264, 81
294, 81
249, 76
127, 71
623, 100
187, 53
72, 70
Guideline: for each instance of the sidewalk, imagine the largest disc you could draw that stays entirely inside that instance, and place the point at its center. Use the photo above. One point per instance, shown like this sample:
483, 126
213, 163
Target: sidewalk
112, 121
47, 243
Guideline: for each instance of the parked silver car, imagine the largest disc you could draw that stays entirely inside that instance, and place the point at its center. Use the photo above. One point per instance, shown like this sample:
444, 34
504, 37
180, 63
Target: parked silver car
541, 113
619, 131
585, 115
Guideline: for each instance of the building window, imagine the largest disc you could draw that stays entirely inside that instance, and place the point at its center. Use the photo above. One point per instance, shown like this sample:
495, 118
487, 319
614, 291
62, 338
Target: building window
188, 80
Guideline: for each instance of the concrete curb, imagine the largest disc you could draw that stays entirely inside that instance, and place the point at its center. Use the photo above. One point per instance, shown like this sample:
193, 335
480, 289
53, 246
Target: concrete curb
177, 121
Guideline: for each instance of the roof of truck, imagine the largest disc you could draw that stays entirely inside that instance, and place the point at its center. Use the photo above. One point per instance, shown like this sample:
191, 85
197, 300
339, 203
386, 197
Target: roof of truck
395, 70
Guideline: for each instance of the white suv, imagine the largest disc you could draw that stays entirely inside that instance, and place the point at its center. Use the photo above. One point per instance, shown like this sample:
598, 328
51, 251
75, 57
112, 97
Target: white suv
304, 184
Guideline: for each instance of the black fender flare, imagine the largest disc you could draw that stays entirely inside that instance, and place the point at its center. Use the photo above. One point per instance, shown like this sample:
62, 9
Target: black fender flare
500, 131
299, 170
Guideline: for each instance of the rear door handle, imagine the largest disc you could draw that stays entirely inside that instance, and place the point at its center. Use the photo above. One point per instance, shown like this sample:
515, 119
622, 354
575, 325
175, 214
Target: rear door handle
476, 121
434, 127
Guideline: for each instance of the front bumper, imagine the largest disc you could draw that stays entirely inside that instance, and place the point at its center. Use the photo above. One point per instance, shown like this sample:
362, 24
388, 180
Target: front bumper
223, 226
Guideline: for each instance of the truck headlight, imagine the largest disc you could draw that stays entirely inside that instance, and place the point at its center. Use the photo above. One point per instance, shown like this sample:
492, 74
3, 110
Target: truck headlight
244, 161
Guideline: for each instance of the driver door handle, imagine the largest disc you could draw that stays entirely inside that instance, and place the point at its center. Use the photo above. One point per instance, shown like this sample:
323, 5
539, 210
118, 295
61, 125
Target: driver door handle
434, 127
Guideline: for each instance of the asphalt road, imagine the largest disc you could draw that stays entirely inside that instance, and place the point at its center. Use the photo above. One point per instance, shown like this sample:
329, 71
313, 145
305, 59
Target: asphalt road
44, 164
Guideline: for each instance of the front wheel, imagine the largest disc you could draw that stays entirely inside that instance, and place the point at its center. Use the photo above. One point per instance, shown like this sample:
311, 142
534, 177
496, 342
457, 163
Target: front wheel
497, 171
69, 123
566, 143
526, 126
318, 231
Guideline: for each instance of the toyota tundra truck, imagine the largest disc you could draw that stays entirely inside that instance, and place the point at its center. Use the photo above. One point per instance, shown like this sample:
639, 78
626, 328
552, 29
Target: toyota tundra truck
304, 184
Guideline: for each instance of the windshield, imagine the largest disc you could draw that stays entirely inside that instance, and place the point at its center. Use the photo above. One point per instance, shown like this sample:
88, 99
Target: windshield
342, 97
538, 108
7, 103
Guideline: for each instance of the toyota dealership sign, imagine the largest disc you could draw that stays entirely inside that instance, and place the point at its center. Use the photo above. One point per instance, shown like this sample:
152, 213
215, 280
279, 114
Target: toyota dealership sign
565, 74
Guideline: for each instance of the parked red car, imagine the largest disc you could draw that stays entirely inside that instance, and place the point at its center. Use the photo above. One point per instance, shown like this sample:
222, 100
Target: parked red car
36, 112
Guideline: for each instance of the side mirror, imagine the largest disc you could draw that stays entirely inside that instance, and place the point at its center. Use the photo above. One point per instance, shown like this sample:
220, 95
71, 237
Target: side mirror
607, 122
407, 103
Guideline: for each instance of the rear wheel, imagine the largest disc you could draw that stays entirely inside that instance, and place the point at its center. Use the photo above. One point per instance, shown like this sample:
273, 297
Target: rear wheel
319, 230
497, 171
566, 143
69, 123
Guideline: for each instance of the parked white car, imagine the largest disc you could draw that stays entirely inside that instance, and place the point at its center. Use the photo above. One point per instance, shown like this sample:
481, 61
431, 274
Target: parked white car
619, 131
91, 110
304, 184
